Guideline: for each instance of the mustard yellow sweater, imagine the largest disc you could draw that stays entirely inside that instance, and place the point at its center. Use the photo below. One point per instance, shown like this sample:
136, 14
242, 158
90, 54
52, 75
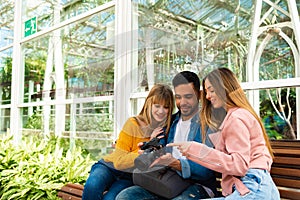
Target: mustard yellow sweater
127, 145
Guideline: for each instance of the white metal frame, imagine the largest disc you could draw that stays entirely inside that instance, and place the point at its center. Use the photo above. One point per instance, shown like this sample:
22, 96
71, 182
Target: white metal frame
255, 52
18, 73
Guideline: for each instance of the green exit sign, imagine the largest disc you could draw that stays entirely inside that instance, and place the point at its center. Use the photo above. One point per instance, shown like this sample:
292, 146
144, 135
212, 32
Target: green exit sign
30, 27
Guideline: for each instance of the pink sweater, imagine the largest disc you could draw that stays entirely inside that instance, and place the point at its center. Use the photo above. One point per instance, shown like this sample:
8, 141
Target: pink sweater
239, 146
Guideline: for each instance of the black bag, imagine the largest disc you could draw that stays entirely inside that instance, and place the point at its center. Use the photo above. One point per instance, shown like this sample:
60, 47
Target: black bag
164, 182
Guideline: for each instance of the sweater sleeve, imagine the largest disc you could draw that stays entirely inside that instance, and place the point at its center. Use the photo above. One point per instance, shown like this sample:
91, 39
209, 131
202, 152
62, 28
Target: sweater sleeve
232, 156
126, 147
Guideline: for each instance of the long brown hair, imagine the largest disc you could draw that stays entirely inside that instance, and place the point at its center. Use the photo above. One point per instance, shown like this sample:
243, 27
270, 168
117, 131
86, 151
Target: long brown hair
159, 94
226, 87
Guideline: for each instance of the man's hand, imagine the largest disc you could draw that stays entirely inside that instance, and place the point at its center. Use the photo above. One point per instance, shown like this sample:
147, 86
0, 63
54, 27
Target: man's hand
167, 160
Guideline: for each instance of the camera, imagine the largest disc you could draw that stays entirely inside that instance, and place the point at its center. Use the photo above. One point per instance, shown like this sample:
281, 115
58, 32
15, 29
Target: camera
152, 150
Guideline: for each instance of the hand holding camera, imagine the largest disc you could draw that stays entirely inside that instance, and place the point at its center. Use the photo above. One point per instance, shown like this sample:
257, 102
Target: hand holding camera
152, 150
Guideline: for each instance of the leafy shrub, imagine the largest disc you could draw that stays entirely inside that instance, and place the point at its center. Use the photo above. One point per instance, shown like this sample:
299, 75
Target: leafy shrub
94, 123
83, 123
37, 168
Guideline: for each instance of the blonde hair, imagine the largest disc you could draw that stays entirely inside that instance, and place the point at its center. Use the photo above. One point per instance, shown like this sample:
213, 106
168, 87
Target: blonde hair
159, 94
226, 87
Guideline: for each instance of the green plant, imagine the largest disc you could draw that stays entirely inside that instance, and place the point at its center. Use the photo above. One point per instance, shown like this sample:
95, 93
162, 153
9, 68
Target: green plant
83, 123
37, 168
94, 123
34, 121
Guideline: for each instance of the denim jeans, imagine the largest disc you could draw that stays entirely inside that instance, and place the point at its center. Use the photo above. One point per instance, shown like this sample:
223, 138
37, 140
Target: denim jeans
105, 178
260, 184
136, 192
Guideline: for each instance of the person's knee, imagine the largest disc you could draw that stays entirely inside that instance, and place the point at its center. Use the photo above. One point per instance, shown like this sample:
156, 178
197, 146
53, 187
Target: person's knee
122, 195
135, 192
126, 193
92, 183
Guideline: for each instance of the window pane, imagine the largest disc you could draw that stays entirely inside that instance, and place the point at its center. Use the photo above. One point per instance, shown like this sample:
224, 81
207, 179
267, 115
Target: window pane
40, 15
5, 76
278, 112
6, 22
77, 60
4, 120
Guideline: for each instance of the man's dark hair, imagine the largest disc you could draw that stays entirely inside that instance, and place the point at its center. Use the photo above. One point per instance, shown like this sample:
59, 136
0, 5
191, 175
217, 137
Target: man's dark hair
186, 77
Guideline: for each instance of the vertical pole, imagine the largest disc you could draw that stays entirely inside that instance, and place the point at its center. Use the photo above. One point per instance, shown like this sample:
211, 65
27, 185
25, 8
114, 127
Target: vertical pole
17, 76
60, 93
30, 92
296, 24
123, 48
252, 69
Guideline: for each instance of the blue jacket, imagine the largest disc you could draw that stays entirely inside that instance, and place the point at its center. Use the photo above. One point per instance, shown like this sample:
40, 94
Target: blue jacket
189, 168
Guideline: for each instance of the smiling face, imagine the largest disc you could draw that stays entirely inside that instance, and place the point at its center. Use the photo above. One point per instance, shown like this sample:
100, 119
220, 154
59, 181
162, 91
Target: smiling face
211, 95
159, 112
187, 100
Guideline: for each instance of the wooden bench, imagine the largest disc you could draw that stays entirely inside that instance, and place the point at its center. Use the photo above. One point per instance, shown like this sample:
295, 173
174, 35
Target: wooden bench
71, 191
285, 172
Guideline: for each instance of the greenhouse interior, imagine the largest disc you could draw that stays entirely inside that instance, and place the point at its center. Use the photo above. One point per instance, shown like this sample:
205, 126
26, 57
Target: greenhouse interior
74, 71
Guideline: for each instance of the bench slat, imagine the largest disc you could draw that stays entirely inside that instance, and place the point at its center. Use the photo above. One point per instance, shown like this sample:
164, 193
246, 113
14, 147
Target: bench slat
289, 152
65, 196
75, 186
288, 193
285, 171
280, 181
287, 160
289, 144
71, 191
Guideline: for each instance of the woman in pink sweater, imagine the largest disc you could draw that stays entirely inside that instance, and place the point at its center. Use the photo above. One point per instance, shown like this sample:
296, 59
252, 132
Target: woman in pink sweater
242, 151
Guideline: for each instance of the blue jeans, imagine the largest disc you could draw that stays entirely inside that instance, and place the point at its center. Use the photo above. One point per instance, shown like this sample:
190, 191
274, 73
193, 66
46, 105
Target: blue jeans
136, 192
260, 184
103, 177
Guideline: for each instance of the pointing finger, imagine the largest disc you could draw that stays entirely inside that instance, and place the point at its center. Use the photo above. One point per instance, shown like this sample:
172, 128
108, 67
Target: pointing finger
174, 144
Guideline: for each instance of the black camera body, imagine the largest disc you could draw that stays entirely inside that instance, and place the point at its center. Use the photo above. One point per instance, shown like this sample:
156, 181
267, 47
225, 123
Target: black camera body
152, 150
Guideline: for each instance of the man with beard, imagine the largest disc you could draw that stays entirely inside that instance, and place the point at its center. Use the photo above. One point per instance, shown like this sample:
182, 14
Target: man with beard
185, 127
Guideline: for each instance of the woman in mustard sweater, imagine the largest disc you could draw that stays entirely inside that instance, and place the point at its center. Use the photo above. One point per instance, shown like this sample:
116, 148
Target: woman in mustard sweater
242, 151
113, 173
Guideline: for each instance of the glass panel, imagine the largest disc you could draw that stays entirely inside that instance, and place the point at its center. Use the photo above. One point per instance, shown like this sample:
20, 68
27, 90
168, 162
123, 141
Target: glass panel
277, 61
78, 60
201, 35
4, 120
189, 35
5, 76
278, 112
91, 124
6, 22
72, 8
89, 58
33, 120
45, 14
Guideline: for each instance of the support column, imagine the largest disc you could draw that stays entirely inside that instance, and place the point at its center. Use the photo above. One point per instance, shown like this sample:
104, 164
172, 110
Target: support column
123, 48
17, 80
60, 92
30, 92
46, 89
296, 24
251, 67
